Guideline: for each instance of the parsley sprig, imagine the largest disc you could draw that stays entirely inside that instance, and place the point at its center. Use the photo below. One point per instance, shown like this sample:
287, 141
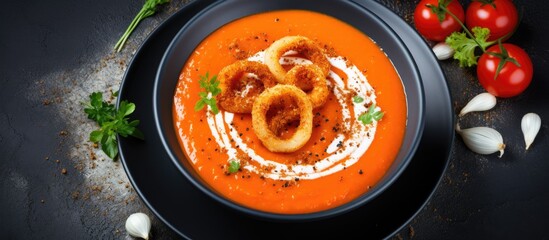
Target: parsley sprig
112, 121
358, 99
234, 166
465, 47
148, 9
371, 115
211, 87
465, 43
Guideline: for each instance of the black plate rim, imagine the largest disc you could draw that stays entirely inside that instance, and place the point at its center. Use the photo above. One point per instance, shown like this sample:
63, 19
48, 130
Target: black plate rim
150, 40
413, 79
121, 93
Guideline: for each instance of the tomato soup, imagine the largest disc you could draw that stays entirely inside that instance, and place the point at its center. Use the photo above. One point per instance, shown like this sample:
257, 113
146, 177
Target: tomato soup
345, 155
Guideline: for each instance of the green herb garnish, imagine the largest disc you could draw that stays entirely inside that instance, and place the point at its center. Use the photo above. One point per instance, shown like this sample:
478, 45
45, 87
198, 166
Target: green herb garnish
98, 110
358, 99
465, 47
112, 122
148, 9
371, 115
211, 87
234, 166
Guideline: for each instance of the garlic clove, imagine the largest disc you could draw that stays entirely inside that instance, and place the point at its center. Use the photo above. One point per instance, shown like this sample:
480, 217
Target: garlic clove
482, 140
138, 225
481, 102
530, 124
443, 51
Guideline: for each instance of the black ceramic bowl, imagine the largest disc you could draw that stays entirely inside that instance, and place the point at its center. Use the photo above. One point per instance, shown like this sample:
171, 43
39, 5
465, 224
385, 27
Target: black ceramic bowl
223, 12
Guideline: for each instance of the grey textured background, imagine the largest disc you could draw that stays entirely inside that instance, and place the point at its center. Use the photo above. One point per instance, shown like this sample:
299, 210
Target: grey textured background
53, 54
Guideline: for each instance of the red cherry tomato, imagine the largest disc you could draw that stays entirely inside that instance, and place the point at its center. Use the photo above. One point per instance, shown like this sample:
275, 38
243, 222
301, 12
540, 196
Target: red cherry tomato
428, 24
500, 16
512, 79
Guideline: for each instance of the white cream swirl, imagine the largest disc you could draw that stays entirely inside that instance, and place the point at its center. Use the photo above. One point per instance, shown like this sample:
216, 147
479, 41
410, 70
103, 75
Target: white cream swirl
344, 150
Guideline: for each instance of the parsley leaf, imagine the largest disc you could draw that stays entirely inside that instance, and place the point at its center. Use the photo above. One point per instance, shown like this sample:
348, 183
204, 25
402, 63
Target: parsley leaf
371, 115
465, 47
98, 110
211, 87
234, 166
358, 99
111, 122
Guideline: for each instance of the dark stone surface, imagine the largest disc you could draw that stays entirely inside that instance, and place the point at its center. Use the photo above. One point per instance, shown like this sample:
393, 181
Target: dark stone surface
48, 50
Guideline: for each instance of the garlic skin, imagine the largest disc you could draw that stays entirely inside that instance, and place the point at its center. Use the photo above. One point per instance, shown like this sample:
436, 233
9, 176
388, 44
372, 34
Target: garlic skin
481, 102
443, 51
138, 225
482, 140
530, 125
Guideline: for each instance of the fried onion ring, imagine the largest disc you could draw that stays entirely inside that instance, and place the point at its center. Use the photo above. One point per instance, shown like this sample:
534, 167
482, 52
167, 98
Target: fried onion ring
239, 91
279, 94
311, 74
282, 118
303, 46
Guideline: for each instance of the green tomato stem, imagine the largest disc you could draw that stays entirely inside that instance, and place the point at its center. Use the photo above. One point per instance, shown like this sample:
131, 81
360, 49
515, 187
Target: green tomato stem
484, 2
464, 28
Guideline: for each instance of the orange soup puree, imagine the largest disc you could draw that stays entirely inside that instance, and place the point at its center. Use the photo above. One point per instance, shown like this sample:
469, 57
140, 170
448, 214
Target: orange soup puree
322, 174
